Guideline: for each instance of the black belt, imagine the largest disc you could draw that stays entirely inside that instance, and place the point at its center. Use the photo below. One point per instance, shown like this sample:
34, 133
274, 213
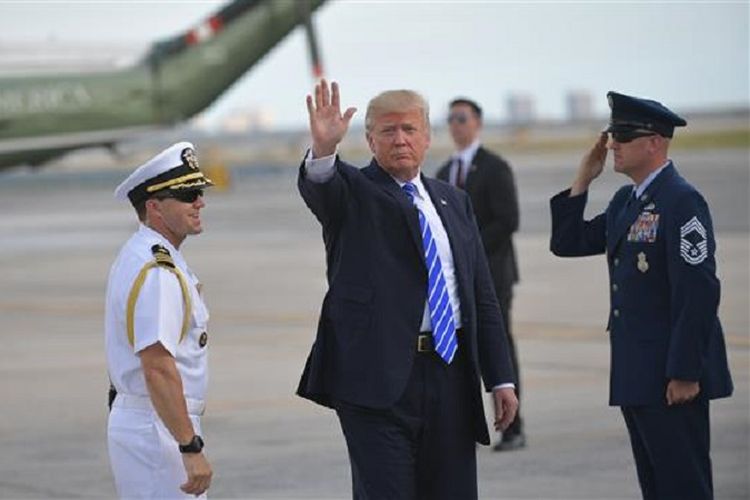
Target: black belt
425, 343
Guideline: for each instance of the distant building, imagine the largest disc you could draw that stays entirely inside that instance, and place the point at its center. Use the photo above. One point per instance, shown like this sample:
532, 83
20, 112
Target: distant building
247, 120
521, 109
579, 105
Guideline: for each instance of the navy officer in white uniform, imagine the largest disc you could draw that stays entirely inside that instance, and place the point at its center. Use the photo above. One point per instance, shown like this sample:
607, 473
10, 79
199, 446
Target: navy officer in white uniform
156, 336
668, 352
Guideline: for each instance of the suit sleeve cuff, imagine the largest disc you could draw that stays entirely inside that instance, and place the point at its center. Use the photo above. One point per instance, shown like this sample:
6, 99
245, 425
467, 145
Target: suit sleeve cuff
319, 170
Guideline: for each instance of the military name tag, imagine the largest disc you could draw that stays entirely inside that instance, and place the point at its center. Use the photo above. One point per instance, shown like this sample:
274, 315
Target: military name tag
644, 228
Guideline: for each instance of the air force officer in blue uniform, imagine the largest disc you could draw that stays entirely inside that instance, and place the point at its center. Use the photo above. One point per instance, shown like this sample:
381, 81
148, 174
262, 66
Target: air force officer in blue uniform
668, 353
410, 321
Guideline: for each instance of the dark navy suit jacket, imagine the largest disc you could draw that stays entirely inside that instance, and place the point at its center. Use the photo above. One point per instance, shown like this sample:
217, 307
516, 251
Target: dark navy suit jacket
371, 314
664, 293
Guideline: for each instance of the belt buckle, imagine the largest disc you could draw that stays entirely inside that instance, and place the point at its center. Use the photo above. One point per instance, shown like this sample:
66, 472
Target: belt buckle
424, 343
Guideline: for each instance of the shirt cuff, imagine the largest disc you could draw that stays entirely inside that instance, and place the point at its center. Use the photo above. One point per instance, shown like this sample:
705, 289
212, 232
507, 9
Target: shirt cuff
319, 170
504, 386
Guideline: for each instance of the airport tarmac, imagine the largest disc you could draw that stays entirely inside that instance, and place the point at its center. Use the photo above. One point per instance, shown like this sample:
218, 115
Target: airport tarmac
261, 262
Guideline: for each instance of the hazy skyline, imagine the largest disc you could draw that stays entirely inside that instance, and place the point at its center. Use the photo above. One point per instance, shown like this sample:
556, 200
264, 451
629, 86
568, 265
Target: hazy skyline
689, 55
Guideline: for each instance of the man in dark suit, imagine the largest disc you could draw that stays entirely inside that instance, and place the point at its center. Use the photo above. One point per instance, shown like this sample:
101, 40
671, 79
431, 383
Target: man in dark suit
488, 180
668, 352
410, 321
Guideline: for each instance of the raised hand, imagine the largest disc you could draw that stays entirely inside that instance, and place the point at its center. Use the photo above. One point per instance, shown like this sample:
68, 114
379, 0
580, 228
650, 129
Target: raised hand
327, 125
591, 166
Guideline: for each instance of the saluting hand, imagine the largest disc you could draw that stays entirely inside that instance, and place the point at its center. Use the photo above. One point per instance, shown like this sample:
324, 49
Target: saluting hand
591, 166
506, 406
327, 125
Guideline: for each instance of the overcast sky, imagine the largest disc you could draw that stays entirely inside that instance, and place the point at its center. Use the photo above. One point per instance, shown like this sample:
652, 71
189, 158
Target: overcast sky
689, 55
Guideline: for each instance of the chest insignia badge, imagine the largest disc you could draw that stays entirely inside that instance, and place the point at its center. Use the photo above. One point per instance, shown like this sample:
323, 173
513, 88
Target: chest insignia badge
644, 229
642, 262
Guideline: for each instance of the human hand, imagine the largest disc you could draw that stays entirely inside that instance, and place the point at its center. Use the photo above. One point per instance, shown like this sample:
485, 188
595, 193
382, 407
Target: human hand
327, 125
682, 391
506, 406
591, 166
198, 473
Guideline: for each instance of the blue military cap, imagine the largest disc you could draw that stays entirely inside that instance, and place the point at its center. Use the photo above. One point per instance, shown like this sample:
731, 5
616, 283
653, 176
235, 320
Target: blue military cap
634, 113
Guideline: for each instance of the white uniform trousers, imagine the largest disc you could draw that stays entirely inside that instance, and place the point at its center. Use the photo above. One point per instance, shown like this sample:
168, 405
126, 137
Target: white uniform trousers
145, 459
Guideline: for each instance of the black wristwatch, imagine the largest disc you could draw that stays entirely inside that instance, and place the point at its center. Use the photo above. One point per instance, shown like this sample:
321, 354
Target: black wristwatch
194, 446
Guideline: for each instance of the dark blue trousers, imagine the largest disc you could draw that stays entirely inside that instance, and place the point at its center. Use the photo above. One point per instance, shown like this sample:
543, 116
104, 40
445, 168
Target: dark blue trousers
421, 448
671, 446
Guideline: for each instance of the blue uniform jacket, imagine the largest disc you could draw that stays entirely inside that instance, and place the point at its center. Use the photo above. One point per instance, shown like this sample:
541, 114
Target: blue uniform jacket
664, 293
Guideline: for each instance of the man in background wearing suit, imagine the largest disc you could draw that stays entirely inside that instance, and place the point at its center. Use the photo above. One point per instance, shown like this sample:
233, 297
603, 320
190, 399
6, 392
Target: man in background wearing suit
488, 180
668, 352
410, 321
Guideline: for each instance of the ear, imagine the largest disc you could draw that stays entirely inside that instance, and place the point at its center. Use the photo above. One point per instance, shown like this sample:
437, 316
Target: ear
370, 142
655, 143
152, 206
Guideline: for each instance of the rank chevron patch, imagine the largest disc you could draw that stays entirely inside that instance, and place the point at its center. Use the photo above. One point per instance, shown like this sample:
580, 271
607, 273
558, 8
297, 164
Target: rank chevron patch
693, 242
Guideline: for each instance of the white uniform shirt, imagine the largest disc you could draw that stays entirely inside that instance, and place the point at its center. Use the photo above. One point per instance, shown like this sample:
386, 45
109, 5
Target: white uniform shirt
158, 318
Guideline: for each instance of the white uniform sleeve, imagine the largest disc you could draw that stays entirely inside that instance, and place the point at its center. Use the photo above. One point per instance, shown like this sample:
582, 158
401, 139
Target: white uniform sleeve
159, 311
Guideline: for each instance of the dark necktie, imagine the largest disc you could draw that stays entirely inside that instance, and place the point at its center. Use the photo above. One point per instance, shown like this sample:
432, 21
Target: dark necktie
460, 178
628, 203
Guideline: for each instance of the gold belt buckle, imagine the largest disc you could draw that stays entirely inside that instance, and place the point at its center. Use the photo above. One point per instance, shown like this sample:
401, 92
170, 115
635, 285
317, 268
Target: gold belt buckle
424, 343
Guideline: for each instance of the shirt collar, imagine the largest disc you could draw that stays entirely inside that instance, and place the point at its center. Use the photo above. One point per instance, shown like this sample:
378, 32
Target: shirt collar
468, 153
417, 181
151, 234
641, 188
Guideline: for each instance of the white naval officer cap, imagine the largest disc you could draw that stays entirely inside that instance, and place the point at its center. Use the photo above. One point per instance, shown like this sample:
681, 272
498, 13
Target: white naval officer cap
175, 168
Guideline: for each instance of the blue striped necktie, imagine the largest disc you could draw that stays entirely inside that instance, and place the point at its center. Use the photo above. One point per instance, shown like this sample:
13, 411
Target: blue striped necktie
441, 312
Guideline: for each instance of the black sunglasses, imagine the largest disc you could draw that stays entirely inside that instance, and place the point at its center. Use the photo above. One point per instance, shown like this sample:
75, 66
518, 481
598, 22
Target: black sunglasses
624, 137
461, 118
181, 195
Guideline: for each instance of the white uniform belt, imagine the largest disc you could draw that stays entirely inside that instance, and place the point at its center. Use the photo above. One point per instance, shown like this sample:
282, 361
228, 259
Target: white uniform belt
130, 401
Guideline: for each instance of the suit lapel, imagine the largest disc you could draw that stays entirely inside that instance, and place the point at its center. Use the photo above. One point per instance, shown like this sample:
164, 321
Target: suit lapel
452, 228
624, 221
383, 180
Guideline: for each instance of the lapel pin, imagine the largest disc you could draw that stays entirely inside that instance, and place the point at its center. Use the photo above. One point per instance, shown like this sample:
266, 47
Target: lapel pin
443, 202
